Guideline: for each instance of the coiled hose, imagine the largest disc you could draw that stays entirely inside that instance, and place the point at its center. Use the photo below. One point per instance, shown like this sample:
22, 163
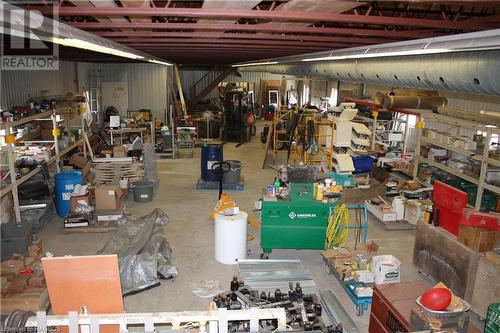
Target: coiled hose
337, 232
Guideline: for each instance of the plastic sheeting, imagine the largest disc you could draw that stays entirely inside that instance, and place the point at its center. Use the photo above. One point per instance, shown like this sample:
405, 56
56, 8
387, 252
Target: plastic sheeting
144, 253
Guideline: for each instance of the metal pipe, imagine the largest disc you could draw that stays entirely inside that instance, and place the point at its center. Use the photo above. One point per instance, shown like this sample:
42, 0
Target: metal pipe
463, 63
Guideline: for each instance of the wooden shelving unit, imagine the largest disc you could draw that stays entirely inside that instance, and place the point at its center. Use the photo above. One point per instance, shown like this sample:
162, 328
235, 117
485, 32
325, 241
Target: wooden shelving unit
14, 181
483, 157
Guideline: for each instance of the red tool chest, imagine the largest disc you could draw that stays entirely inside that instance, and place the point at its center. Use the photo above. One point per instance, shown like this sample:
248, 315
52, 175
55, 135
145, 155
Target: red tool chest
476, 219
392, 304
449, 203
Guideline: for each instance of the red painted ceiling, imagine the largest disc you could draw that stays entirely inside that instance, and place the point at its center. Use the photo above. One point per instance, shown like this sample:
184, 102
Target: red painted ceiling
222, 31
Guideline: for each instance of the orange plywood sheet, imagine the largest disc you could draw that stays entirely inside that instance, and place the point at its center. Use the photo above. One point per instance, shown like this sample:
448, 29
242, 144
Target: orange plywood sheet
93, 281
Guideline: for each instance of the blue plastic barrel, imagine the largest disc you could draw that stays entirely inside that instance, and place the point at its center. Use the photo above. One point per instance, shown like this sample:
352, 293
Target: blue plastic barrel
64, 184
210, 154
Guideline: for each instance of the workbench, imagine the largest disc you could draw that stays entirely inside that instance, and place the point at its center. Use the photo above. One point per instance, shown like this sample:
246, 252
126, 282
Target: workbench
126, 130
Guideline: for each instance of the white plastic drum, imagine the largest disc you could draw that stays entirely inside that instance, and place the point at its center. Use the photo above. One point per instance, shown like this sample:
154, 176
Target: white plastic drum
230, 238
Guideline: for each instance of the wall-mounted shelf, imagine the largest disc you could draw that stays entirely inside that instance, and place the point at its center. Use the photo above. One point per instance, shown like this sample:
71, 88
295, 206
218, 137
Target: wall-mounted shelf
483, 157
467, 153
26, 119
31, 135
449, 170
15, 182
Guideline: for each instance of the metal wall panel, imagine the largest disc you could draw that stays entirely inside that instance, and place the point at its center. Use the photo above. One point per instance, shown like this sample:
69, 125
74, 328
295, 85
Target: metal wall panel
17, 86
147, 84
190, 77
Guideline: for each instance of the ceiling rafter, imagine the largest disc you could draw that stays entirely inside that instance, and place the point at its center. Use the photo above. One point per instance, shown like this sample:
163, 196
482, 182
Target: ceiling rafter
229, 37
253, 28
214, 31
269, 15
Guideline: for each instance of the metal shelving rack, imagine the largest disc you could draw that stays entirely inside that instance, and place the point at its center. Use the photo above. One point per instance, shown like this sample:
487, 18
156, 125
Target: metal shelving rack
14, 181
483, 157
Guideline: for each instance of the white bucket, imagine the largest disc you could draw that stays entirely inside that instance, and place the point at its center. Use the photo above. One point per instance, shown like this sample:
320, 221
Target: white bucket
230, 237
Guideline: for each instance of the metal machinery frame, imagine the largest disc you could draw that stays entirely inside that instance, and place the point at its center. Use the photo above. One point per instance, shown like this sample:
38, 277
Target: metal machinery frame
279, 115
327, 148
483, 157
215, 321
237, 106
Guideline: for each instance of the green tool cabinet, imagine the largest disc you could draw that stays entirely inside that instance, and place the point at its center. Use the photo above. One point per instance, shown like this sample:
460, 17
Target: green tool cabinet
297, 223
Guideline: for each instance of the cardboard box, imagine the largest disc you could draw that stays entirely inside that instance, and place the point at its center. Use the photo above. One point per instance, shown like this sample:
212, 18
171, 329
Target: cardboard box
86, 169
75, 198
364, 248
37, 279
78, 160
17, 286
120, 151
337, 257
414, 211
36, 248
108, 215
12, 267
107, 197
365, 276
385, 215
480, 240
492, 257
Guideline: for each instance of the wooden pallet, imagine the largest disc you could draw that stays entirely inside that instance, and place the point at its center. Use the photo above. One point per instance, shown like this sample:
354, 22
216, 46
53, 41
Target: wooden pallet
32, 299
94, 227
112, 172
206, 185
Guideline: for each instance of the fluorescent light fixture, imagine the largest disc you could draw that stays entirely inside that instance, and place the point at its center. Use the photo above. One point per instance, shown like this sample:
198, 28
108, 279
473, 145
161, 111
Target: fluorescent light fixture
380, 54
160, 62
81, 44
256, 64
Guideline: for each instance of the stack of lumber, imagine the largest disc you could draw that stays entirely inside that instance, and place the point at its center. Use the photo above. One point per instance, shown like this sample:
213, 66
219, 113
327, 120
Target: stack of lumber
23, 282
111, 172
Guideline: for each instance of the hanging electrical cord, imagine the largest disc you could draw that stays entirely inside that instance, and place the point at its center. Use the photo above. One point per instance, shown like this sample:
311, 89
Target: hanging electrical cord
337, 232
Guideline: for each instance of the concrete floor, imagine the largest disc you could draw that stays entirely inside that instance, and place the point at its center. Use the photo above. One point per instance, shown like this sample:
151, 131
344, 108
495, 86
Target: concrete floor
190, 233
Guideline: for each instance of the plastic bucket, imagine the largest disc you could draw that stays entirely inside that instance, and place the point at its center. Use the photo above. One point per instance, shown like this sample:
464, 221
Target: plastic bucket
143, 190
210, 154
64, 184
233, 175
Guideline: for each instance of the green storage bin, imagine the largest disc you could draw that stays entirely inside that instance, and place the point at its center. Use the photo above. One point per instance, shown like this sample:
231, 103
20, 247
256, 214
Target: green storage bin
492, 323
342, 180
294, 224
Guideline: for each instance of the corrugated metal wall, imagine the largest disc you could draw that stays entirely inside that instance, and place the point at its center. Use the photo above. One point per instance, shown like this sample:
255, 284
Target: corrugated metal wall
147, 84
190, 77
17, 86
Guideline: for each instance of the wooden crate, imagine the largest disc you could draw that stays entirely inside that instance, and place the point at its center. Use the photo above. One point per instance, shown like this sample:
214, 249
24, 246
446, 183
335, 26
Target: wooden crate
392, 304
